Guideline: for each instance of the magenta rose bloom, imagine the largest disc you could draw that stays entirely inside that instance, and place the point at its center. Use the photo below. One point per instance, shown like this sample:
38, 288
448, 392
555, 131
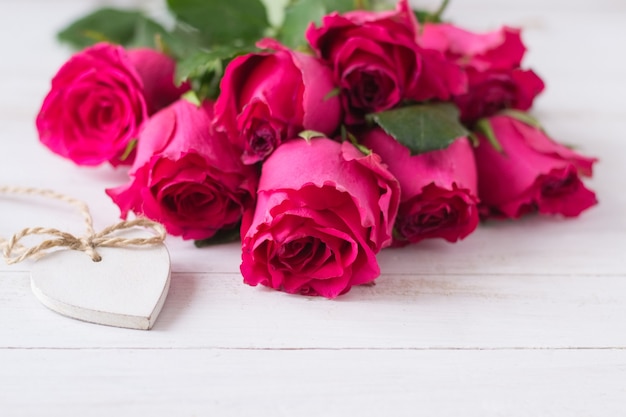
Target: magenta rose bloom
492, 91
323, 212
378, 63
156, 71
498, 50
268, 97
532, 173
187, 176
99, 101
438, 189
492, 62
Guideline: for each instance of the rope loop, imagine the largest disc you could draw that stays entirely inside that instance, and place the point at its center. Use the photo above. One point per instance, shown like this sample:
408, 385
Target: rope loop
14, 252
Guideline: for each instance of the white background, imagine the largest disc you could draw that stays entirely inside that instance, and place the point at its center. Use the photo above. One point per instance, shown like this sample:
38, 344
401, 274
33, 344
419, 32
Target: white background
521, 319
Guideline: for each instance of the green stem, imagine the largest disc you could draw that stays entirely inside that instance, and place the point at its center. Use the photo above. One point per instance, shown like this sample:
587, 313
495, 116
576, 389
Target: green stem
362, 4
440, 10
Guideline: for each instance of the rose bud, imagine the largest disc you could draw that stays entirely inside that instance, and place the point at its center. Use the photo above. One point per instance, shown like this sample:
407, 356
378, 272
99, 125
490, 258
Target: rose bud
492, 61
438, 188
378, 63
268, 97
99, 101
324, 210
187, 176
530, 173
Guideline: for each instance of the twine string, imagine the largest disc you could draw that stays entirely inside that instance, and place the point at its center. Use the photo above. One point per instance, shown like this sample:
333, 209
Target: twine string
14, 251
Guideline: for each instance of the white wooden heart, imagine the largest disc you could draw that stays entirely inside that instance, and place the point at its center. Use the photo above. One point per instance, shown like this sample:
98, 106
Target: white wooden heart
127, 288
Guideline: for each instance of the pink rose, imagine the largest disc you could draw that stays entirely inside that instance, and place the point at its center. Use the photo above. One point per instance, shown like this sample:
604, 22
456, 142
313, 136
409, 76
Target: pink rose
438, 189
156, 71
492, 61
532, 173
378, 63
498, 50
492, 91
187, 176
269, 97
99, 101
323, 212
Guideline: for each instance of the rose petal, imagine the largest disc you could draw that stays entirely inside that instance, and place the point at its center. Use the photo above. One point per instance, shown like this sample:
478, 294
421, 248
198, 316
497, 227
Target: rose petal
186, 175
511, 181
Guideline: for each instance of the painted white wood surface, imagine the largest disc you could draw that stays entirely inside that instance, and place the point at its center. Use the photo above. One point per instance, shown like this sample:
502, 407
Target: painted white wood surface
521, 319
368, 383
127, 288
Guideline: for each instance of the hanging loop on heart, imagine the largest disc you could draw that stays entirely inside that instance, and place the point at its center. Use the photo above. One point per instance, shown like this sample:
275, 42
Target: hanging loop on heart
122, 288
14, 252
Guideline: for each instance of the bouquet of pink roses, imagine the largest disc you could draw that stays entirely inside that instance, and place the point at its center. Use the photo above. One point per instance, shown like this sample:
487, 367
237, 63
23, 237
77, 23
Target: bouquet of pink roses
350, 128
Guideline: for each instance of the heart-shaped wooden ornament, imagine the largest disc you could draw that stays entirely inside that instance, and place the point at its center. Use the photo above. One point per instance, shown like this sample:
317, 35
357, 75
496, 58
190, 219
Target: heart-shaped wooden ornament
127, 288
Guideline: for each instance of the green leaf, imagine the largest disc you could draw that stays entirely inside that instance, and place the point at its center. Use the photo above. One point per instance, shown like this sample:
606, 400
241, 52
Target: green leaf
148, 33
229, 22
204, 69
442, 8
426, 16
300, 13
474, 140
129, 149
354, 141
484, 126
123, 27
222, 236
424, 127
310, 134
181, 42
522, 117
298, 16
200, 62
381, 5
335, 92
347, 136
192, 97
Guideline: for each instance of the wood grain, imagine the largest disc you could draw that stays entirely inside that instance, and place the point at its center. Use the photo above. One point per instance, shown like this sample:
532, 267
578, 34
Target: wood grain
522, 319
314, 383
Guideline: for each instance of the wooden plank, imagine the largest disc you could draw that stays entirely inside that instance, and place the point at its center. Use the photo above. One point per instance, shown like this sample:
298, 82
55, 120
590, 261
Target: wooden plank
401, 312
522, 319
312, 383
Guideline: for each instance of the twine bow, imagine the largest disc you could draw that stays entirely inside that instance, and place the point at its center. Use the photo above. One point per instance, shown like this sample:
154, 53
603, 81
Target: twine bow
14, 252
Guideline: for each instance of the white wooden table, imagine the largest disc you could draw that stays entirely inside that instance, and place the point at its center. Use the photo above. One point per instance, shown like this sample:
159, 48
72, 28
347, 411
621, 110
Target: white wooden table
521, 319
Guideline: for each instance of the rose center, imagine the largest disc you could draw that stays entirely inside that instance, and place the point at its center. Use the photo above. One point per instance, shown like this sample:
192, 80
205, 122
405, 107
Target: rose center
192, 202
371, 90
426, 221
497, 97
262, 137
487, 98
262, 141
105, 114
298, 253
